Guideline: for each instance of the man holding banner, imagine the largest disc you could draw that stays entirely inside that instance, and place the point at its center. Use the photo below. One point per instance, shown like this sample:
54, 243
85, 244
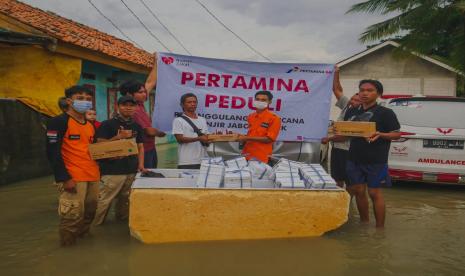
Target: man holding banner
264, 127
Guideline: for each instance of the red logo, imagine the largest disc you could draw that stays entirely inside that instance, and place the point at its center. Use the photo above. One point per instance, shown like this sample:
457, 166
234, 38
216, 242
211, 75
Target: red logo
399, 149
167, 60
445, 131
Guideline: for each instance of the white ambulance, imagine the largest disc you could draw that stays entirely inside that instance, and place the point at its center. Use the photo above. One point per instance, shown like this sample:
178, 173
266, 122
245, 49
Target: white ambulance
433, 136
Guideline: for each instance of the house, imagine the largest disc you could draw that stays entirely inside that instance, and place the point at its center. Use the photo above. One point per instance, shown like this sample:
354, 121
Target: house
42, 53
409, 74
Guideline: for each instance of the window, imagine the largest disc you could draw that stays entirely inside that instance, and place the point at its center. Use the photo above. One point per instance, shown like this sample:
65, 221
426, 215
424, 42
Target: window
92, 88
88, 76
112, 102
429, 112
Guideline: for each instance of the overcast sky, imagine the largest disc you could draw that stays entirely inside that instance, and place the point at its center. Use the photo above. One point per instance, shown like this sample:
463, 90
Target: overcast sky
284, 31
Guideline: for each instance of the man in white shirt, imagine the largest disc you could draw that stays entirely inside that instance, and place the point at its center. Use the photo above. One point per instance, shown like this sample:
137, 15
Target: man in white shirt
190, 131
340, 149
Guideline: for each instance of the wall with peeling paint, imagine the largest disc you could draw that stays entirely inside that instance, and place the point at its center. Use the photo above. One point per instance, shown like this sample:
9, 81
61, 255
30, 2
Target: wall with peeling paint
36, 76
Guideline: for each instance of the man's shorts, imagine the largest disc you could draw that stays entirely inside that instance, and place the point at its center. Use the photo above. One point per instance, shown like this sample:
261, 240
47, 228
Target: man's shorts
339, 164
374, 175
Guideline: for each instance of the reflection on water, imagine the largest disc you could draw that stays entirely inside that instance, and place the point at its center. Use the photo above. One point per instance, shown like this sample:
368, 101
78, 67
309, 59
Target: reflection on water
167, 156
424, 234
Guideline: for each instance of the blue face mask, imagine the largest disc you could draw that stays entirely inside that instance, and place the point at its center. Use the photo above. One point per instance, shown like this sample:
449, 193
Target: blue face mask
82, 106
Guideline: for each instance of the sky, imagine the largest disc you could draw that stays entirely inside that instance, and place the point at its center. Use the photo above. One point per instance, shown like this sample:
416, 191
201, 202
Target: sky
313, 31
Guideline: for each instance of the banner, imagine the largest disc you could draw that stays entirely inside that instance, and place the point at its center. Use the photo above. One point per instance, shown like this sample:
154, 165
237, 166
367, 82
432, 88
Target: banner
225, 90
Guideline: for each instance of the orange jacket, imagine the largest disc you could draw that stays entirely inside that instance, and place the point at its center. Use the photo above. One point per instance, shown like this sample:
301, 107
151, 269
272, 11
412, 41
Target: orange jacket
263, 124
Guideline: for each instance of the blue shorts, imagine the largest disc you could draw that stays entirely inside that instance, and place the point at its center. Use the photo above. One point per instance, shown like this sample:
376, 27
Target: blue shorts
374, 175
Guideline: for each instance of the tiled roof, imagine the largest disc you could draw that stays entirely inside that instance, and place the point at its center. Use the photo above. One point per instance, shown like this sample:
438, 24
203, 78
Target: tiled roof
75, 33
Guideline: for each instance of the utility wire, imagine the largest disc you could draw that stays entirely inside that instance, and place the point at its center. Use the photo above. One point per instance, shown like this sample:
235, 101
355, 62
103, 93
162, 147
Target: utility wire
145, 27
114, 25
164, 26
229, 29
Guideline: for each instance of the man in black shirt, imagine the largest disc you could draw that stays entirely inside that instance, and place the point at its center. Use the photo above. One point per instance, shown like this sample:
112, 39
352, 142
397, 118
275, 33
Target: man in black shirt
368, 157
118, 173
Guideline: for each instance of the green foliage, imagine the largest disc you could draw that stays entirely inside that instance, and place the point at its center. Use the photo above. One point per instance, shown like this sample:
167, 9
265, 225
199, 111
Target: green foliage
430, 27
461, 87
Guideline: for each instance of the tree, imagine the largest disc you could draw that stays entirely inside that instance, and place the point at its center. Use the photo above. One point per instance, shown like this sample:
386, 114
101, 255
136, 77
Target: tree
430, 27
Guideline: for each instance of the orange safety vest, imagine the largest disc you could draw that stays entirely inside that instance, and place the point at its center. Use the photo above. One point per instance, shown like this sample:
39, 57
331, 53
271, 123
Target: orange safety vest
262, 124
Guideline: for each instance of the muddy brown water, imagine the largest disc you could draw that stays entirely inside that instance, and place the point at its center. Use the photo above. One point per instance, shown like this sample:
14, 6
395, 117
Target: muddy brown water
424, 235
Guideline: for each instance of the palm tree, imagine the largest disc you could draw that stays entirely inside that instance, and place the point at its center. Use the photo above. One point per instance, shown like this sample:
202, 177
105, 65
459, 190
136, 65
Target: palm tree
430, 27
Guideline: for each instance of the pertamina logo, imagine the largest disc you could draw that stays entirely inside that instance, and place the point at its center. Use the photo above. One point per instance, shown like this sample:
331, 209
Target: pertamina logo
300, 70
167, 60
444, 130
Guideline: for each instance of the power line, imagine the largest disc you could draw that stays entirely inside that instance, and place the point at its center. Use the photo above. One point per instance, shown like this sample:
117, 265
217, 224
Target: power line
229, 29
114, 25
164, 26
145, 27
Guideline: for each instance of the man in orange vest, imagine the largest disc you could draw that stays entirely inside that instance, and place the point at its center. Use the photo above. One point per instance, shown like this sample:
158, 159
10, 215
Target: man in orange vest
77, 175
264, 127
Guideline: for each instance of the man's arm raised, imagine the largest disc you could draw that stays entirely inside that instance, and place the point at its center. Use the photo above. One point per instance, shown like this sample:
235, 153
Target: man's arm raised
151, 80
337, 87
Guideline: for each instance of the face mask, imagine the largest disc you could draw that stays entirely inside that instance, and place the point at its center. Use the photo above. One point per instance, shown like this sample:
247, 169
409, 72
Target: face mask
82, 106
260, 105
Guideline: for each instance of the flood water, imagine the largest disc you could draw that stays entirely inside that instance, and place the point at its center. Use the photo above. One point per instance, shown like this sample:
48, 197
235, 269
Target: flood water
424, 235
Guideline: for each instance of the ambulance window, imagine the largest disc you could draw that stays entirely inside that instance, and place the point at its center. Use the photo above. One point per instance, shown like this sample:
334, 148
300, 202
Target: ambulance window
430, 113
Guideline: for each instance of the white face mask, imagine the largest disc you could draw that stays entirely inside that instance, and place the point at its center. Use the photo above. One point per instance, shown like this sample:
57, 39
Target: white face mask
260, 105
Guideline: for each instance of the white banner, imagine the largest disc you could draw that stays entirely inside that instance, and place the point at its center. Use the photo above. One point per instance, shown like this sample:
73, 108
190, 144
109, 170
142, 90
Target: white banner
225, 90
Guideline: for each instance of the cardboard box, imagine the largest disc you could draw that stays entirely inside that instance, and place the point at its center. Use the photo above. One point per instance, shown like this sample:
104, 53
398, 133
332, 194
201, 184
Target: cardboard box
223, 137
118, 148
355, 129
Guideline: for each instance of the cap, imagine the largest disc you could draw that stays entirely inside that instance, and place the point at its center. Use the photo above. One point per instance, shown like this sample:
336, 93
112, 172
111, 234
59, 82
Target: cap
126, 99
